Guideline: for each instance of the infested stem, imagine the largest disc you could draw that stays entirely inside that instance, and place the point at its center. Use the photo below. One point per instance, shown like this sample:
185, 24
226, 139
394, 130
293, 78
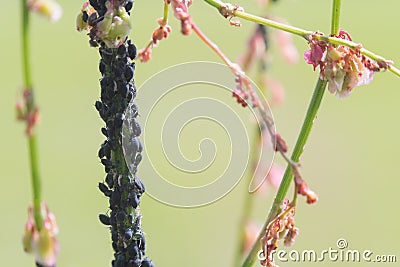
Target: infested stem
288, 176
30, 106
229, 9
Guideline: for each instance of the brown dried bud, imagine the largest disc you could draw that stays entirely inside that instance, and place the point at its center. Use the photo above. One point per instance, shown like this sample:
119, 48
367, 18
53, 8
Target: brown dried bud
280, 144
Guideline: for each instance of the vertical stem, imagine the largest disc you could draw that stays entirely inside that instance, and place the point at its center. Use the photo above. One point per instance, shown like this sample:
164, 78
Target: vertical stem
36, 184
25, 45
165, 16
288, 176
30, 106
335, 17
301, 141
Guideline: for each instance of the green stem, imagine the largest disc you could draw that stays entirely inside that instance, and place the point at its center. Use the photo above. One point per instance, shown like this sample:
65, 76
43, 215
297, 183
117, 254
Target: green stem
303, 33
36, 184
288, 176
216, 4
30, 106
165, 17
25, 45
259, 20
335, 17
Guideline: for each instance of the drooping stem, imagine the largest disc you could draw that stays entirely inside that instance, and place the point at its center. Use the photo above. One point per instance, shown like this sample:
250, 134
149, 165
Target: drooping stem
288, 176
213, 46
30, 107
229, 10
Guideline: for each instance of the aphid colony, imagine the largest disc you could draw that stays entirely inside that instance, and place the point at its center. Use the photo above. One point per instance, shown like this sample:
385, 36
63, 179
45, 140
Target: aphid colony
108, 22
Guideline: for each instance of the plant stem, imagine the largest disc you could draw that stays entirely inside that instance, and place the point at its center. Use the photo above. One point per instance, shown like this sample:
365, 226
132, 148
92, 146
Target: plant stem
298, 149
30, 106
223, 7
335, 17
25, 45
259, 20
288, 176
36, 184
165, 17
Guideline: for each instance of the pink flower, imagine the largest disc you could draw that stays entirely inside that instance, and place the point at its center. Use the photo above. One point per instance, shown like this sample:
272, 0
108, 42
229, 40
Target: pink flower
347, 68
144, 55
316, 55
43, 243
48, 8
344, 68
161, 32
180, 8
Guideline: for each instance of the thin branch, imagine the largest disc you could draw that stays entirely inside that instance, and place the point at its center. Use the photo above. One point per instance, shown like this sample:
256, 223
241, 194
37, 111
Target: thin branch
30, 109
229, 10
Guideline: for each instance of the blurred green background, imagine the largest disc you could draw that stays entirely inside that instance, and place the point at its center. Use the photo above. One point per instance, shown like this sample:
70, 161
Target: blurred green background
351, 159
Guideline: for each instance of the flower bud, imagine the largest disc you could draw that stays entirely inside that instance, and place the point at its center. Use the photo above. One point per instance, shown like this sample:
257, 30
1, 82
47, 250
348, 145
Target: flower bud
43, 243
48, 8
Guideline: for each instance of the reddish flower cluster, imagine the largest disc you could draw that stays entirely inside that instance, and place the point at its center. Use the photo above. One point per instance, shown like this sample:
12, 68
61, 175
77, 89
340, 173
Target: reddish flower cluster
42, 243
303, 189
316, 55
282, 227
343, 67
244, 92
160, 33
280, 144
180, 8
241, 97
30, 117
